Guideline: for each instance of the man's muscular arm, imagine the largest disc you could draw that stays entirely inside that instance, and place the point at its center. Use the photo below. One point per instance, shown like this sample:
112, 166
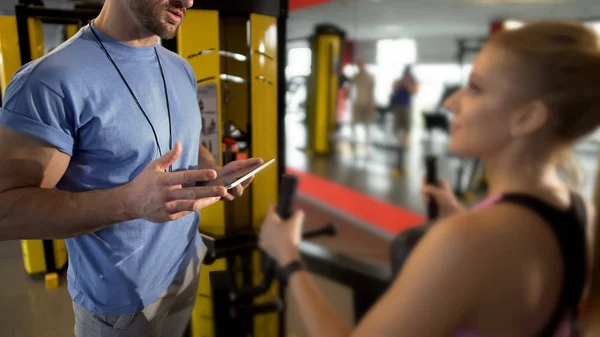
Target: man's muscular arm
32, 209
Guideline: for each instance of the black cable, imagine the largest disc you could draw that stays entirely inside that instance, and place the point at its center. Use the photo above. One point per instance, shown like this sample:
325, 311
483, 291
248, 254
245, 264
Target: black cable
135, 98
162, 74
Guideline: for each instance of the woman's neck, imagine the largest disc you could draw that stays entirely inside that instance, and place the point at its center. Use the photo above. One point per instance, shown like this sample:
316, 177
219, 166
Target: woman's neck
522, 174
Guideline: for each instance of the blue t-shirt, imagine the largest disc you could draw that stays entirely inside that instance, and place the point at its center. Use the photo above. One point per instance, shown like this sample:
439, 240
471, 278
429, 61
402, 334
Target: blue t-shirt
74, 99
401, 97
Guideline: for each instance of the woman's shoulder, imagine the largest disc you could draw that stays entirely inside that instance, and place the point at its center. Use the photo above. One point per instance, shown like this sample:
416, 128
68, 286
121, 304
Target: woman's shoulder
499, 243
491, 219
530, 212
496, 232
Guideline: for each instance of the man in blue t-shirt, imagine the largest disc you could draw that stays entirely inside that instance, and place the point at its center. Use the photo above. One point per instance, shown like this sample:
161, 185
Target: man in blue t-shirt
100, 145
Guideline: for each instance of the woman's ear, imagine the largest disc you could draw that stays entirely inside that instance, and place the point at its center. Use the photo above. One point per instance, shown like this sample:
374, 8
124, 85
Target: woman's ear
530, 118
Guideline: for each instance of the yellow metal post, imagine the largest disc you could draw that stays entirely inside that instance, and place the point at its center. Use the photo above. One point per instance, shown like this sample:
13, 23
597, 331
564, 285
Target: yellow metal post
10, 59
60, 253
263, 51
235, 103
36, 37
238, 52
323, 88
202, 52
70, 31
206, 67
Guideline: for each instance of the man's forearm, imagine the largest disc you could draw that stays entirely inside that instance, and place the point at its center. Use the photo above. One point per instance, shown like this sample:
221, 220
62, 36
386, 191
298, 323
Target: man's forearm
37, 213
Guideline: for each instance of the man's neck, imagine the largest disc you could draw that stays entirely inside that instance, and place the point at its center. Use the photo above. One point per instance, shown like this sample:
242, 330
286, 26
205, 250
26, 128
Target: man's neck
120, 24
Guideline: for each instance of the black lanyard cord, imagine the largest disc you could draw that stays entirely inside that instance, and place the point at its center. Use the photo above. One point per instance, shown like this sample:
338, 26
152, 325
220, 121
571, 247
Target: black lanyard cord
162, 74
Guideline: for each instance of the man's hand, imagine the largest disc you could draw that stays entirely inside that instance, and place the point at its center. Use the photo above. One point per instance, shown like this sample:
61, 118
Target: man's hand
158, 196
235, 166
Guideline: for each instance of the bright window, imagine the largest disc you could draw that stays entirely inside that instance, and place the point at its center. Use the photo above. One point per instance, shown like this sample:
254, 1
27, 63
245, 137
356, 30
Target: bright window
299, 62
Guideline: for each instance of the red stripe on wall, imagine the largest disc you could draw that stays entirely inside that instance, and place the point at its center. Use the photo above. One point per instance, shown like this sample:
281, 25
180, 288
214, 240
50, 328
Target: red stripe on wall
384, 215
298, 4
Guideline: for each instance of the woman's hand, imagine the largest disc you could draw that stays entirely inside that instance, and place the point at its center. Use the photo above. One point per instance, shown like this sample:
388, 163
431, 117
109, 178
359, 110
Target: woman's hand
444, 196
280, 239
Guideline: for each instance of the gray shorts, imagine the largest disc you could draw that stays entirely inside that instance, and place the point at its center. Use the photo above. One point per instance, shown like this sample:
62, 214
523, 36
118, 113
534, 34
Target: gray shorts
361, 114
402, 117
167, 316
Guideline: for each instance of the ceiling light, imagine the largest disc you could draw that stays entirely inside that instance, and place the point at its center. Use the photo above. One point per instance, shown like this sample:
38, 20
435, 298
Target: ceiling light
231, 78
595, 25
201, 52
394, 52
392, 28
513, 24
235, 56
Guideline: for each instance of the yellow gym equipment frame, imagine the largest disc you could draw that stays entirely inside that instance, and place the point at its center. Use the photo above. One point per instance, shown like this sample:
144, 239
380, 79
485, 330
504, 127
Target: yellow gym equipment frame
236, 49
326, 46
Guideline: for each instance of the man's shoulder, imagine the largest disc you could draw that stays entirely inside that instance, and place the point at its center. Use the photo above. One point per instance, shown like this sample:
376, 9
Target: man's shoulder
61, 65
171, 54
174, 57
178, 61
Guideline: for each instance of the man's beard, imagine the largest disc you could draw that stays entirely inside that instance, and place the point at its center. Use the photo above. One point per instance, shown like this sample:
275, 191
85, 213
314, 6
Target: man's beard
145, 15
159, 29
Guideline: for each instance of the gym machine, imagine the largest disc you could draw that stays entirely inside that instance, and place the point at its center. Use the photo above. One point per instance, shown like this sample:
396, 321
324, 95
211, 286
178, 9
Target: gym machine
405, 242
236, 49
326, 45
231, 302
239, 293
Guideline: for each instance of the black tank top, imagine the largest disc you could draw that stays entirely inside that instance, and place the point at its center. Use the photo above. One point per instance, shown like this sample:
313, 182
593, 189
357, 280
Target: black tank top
569, 229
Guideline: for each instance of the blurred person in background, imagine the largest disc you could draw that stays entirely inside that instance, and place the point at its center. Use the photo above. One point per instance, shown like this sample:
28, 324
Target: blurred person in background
521, 262
363, 108
401, 103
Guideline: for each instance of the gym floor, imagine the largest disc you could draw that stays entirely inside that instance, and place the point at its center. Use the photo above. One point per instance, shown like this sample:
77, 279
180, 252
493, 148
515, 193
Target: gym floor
383, 172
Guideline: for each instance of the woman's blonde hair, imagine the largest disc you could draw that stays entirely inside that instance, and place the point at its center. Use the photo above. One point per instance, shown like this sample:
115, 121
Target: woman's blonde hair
560, 65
